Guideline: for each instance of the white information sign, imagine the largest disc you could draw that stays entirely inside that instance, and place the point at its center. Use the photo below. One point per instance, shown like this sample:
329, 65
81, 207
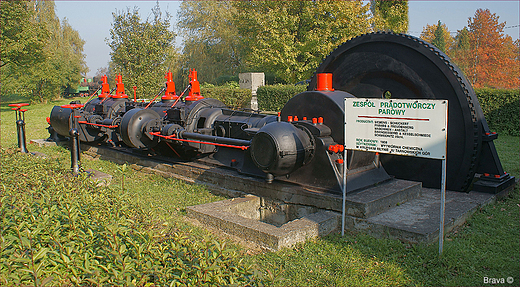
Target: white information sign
397, 126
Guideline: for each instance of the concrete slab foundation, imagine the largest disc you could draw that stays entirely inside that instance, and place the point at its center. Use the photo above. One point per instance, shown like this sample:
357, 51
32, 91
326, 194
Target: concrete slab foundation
42, 142
397, 209
418, 220
242, 217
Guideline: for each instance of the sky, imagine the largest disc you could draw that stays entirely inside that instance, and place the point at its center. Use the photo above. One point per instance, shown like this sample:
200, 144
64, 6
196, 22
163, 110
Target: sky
93, 19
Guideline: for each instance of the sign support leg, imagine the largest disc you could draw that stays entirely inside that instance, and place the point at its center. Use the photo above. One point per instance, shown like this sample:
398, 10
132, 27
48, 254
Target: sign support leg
443, 203
344, 192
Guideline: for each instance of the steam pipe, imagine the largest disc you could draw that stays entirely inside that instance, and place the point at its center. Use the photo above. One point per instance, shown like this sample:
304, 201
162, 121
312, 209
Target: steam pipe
215, 139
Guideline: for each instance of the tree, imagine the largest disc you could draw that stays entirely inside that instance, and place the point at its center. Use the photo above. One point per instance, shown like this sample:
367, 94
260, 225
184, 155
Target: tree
141, 51
57, 65
493, 57
290, 38
461, 50
211, 39
390, 15
439, 36
22, 41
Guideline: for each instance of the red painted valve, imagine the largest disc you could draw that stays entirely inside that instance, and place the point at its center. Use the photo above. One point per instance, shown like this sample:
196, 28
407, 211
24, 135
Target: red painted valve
169, 94
18, 106
120, 88
194, 94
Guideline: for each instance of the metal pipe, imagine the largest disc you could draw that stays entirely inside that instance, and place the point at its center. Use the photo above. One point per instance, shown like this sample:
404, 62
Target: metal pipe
214, 139
162, 90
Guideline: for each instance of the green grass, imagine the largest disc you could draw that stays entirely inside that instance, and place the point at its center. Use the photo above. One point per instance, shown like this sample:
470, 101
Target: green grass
507, 148
486, 246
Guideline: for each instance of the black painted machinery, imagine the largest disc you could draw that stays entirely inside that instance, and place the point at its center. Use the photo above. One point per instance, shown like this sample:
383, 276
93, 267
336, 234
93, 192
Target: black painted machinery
304, 143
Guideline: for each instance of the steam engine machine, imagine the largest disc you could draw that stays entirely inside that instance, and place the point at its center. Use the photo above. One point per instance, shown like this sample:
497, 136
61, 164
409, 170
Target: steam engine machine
304, 143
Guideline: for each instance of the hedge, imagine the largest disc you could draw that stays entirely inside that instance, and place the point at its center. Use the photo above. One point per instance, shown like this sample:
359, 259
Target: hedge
501, 109
231, 97
273, 98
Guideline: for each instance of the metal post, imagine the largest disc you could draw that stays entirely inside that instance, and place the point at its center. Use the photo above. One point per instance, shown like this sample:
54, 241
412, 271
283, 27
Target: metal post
443, 181
343, 211
20, 126
74, 148
443, 203
74, 154
345, 165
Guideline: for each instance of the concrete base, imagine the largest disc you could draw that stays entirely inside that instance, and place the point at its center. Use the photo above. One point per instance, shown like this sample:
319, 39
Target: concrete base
397, 209
242, 217
101, 178
38, 154
418, 220
42, 142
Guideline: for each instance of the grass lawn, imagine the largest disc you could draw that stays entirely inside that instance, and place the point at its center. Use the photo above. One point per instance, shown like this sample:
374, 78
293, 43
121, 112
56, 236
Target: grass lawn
486, 246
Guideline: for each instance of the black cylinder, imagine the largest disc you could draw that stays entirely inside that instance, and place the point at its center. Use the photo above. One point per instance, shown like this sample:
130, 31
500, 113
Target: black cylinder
280, 148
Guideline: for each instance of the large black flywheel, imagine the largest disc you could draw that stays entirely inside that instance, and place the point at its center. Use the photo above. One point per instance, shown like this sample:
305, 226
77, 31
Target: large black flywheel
400, 66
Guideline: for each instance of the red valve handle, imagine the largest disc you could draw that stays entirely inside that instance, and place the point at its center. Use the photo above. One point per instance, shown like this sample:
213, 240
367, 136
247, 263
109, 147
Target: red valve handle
23, 110
19, 105
14, 109
72, 106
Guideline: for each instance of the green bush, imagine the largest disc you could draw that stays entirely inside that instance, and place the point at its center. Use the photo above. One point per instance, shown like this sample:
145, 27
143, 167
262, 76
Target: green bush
230, 96
501, 109
60, 230
273, 98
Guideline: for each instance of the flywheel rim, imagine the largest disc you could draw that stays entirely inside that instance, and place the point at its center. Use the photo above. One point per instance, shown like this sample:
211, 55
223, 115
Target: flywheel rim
374, 64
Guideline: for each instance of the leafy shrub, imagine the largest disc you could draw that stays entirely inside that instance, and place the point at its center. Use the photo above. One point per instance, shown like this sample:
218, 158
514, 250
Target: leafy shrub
273, 98
501, 109
229, 95
58, 229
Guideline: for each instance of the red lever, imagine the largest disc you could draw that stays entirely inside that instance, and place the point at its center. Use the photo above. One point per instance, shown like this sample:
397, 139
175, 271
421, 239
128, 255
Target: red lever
23, 110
